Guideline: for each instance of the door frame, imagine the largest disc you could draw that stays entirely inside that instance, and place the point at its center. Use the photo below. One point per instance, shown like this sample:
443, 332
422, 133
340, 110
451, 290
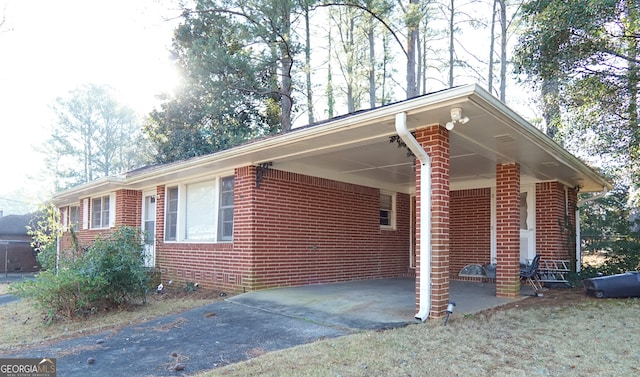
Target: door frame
149, 248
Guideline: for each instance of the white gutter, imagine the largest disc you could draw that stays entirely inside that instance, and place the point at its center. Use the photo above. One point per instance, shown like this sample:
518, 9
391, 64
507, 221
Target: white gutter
580, 203
425, 215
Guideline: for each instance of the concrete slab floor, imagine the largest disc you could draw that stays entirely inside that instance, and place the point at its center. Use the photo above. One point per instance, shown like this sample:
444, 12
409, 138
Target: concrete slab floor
379, 303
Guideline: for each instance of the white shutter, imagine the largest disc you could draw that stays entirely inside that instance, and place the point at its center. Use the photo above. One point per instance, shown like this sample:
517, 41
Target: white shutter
112, 210
85, 213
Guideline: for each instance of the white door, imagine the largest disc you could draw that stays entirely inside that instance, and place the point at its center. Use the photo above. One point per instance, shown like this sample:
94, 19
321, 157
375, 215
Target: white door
149, 229
527, 224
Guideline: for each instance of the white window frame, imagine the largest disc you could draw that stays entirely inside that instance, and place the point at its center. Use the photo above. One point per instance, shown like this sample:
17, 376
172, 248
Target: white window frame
111, 212
65, 216
182, 228
67, 219
392, 210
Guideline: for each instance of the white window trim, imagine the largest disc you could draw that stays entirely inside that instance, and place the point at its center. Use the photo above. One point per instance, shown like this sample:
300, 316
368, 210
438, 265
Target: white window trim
112, 211
393, 195
182, 213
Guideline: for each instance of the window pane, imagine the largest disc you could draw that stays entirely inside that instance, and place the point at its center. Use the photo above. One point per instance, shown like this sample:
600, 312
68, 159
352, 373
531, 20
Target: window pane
386, 207
385, 202
225, 217
96, 212
74, 217
385, 217
105, 212
171, 221
200, 209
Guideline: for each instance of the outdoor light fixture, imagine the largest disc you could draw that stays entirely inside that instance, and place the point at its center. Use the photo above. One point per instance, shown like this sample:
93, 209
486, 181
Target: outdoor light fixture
456, 117
449, 310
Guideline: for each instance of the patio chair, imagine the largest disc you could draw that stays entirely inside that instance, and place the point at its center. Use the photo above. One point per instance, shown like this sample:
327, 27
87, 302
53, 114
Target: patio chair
529, 275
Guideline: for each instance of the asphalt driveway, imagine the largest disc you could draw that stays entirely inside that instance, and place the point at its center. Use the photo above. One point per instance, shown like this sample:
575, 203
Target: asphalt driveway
203, 338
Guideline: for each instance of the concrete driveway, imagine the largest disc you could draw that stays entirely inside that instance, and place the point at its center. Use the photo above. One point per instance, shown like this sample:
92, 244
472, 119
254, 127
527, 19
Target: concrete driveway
246, 326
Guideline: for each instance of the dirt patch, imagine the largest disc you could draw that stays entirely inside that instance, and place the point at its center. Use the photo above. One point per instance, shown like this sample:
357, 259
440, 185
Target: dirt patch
555, 297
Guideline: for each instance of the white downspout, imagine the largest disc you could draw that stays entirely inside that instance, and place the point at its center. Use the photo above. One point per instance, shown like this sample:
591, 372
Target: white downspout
579, 204
578, 245
425, 215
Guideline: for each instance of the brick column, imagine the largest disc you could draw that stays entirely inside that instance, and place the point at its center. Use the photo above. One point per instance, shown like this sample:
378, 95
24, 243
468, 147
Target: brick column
435, 141
508, 230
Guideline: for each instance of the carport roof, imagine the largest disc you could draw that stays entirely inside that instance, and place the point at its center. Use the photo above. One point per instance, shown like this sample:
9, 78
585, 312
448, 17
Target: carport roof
356, 148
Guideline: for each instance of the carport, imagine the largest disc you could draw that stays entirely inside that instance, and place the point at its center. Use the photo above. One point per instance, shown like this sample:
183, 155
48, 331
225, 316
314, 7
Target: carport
368, 304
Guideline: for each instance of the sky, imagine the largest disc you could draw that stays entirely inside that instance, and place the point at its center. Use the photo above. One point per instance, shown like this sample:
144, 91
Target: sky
48, 48
51, 47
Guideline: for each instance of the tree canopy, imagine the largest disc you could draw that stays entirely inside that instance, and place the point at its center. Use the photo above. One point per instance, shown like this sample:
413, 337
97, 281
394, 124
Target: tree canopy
583, 55
234, 58
94, 136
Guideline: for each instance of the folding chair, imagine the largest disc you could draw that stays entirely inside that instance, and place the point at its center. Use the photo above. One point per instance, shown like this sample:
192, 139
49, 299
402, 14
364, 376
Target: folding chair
529, 275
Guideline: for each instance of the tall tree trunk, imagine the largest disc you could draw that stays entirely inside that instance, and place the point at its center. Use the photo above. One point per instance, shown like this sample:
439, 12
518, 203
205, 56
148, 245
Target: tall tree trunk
633, 80
286, 66
331, 101
412, 39
503, 49
307, 64
372, 62
349, 47
492, 43
451, 45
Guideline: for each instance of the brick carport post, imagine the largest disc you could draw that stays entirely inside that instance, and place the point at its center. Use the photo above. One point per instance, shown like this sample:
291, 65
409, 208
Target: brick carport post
508, 230
435, 141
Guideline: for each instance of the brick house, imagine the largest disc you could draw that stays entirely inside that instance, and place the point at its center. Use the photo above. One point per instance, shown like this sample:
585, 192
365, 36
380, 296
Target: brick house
421, 188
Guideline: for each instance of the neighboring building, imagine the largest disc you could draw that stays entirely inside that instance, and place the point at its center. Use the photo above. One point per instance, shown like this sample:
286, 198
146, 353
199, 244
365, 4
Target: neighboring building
16, 253
342, 200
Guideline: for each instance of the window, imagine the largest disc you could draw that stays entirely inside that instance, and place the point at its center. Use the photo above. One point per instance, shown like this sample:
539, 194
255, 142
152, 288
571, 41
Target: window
100, 212
524, 211
387, 219
225, 216
199, 216
74, 217
200, 212
171, 216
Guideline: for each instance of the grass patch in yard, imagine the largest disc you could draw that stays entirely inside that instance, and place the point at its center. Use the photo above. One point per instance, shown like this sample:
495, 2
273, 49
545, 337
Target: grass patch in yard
22, 325
542, 337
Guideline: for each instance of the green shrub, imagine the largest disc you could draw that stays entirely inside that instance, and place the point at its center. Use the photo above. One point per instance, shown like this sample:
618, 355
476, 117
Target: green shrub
119, 261
110, 273
624, 256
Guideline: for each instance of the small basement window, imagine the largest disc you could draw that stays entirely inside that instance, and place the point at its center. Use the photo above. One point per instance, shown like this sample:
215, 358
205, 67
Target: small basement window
387, 211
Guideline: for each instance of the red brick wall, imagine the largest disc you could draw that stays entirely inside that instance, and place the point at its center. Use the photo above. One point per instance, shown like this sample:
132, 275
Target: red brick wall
310, 230
470, 233
555, 235
508, 230
293, 230
129, 208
